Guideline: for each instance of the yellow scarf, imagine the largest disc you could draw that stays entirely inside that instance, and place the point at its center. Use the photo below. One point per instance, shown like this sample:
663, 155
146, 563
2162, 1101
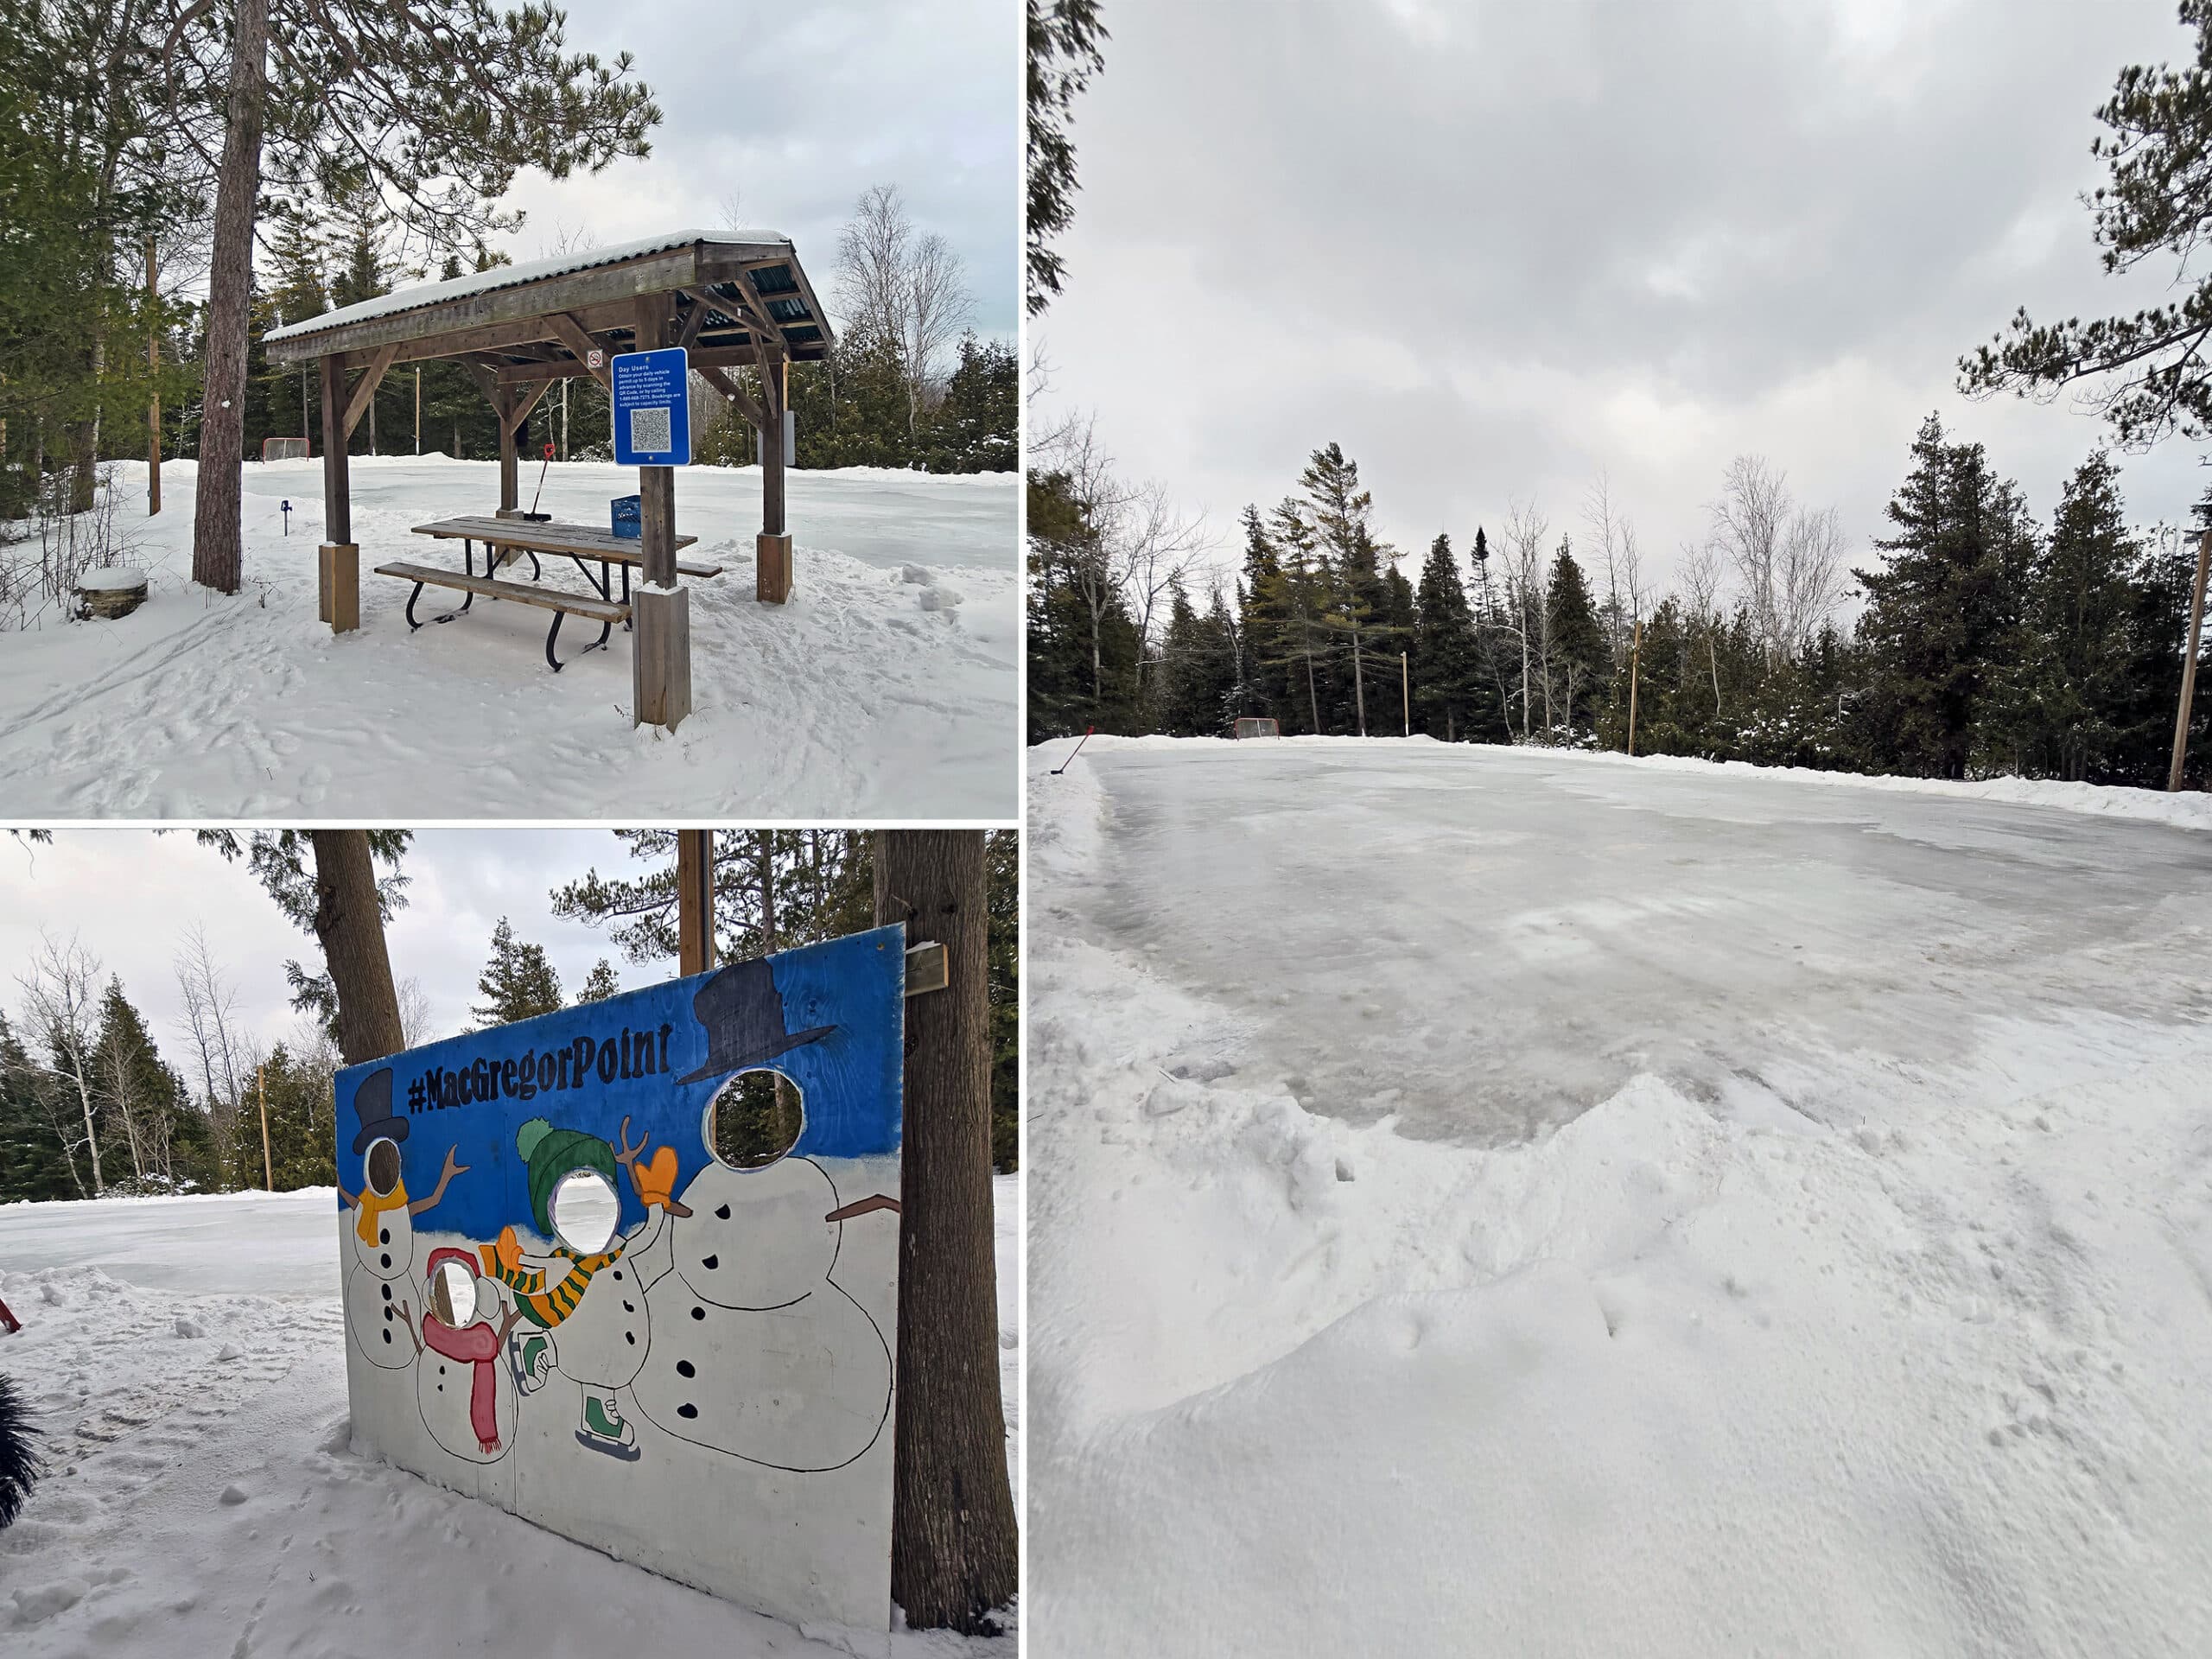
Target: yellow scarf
371, 1207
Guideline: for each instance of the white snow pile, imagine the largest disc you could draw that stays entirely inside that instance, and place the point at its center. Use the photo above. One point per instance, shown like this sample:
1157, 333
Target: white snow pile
185, 1359
849, 700
115, 579
1807, 1247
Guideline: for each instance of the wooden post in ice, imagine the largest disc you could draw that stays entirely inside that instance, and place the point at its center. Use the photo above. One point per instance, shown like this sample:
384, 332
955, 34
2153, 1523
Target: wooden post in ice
268, 1170
338, 557
694, 901
2189, 662
153, 366
1635, 651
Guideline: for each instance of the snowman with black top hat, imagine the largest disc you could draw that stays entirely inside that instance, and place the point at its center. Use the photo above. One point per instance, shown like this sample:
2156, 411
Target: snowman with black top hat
380, 1240
760, 1352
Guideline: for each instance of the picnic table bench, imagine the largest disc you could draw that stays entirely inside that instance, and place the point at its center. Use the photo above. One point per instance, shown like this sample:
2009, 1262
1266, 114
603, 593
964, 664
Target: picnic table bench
505, 539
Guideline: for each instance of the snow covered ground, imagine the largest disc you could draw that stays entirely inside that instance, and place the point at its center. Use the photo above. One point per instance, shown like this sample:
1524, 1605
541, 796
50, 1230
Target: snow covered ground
885, 688
184, 1357
1515, 1203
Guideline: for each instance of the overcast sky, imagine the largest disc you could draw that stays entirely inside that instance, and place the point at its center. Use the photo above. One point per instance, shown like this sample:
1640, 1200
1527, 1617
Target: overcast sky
795, 110
1495, 249
131, 896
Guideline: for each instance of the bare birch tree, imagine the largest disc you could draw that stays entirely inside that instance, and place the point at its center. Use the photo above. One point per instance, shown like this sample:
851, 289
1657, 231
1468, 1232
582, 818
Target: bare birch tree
908, 291
61, 1015
1525, 531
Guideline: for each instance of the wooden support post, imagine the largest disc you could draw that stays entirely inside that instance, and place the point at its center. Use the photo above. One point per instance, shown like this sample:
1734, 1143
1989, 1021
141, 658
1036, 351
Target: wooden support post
510, 488
660, 655
153, 367
657, 524
2189, 662
338, 558
694, 900
772, 582
1635, 652
418, 408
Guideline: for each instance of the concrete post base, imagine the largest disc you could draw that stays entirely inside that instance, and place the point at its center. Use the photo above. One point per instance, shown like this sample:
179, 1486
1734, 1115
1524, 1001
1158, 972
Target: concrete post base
660, 655
772, 579
338, 585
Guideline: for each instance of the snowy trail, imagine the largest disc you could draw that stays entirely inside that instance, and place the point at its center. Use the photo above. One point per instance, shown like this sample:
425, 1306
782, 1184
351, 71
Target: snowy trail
184, 1357
852, 700
1757, 1317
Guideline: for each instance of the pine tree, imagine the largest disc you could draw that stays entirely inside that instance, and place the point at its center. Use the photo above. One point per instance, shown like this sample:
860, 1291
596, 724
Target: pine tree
1451, 699
1939, 611
517, 983
2060, 689
599, 984
1576, 650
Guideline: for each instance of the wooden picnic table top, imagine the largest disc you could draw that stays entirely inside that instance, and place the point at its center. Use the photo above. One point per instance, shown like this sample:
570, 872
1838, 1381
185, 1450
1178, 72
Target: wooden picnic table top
585, 541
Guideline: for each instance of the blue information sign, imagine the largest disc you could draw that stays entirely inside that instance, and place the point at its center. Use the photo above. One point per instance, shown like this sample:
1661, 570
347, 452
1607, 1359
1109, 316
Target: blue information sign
652, 409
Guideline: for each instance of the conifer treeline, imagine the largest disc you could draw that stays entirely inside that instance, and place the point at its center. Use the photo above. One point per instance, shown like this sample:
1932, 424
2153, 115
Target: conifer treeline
1986, 643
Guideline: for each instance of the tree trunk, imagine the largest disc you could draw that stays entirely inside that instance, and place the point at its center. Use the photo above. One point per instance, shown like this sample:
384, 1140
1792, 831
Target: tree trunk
351, 928
952, 1523
216, 560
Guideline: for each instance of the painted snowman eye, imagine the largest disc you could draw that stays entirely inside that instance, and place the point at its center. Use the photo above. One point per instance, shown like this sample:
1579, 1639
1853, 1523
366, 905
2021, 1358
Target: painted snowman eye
382, 1166
755, 1119
584, 1211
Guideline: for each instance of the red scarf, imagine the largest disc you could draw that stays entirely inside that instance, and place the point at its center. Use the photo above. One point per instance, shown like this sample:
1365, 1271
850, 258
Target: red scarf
479, 1344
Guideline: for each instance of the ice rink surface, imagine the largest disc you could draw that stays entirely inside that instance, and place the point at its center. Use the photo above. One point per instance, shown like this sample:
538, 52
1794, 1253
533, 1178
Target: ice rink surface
1525, 1204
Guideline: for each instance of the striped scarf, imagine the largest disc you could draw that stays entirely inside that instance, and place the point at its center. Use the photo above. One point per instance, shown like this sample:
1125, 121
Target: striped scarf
547, 1307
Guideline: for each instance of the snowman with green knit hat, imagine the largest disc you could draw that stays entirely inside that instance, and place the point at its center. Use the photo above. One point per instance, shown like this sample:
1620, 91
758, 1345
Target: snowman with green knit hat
582, 1305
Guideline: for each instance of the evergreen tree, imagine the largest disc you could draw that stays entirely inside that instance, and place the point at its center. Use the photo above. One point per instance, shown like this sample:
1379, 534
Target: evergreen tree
1083, 645
1451, 697
33, 1164
1261, 688
2059, 692
517, 983
1576, 650
1941, 607
599, 984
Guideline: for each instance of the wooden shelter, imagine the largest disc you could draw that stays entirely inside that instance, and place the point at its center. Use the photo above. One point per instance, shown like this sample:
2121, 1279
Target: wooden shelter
733, 299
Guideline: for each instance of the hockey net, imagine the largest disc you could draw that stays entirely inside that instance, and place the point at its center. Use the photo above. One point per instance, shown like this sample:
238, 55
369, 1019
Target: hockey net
284, 448
1257, 726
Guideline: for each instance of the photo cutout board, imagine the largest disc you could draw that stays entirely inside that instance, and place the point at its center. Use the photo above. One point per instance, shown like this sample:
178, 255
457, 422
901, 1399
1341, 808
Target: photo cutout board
631, 1271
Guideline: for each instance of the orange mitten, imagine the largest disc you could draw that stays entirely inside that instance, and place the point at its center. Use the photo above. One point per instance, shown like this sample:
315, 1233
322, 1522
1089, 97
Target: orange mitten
506, 1253
656, 1177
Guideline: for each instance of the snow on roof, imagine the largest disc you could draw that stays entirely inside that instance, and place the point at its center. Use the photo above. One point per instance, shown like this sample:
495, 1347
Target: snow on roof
484, 281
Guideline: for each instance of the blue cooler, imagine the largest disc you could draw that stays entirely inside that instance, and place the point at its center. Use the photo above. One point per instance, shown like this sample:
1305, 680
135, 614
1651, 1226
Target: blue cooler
628, 515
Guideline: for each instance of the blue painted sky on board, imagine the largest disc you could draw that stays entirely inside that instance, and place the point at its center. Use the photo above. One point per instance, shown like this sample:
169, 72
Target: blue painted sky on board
850, 1081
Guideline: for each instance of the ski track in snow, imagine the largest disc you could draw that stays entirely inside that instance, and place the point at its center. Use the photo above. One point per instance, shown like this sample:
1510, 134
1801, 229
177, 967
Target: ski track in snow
202, 1496
855, 699
1811, 1338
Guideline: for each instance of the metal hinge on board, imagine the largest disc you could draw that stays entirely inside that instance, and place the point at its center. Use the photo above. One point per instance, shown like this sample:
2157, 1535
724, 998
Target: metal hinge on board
926, 969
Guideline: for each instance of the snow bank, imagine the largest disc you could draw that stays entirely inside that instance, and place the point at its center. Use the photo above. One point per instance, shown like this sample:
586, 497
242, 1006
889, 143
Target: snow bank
1840, 1354
2190, 810
851, 700
204, 1498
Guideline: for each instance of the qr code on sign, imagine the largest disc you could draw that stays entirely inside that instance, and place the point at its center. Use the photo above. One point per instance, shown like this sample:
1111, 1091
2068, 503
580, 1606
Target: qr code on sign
649, 431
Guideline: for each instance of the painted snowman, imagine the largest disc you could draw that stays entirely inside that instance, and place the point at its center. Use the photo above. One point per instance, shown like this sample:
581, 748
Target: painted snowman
760, 1352
380, 1234
462, 1385
582, 1308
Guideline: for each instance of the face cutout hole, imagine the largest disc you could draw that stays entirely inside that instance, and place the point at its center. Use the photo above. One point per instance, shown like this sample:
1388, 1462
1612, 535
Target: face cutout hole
453, 1294
584, 1211
755, 1119
382, 1168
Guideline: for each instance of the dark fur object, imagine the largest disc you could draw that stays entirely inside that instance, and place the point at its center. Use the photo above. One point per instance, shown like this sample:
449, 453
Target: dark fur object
20, 1463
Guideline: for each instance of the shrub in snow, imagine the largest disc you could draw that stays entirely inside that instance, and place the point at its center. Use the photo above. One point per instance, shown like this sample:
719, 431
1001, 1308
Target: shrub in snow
20, 1463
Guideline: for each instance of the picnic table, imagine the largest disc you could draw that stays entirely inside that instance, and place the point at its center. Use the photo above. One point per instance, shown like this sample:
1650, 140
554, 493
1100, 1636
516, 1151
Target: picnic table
505, 540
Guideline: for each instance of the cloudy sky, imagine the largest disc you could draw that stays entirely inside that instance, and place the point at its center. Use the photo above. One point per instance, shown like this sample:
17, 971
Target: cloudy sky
795, 110
1497, 249
130, 897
